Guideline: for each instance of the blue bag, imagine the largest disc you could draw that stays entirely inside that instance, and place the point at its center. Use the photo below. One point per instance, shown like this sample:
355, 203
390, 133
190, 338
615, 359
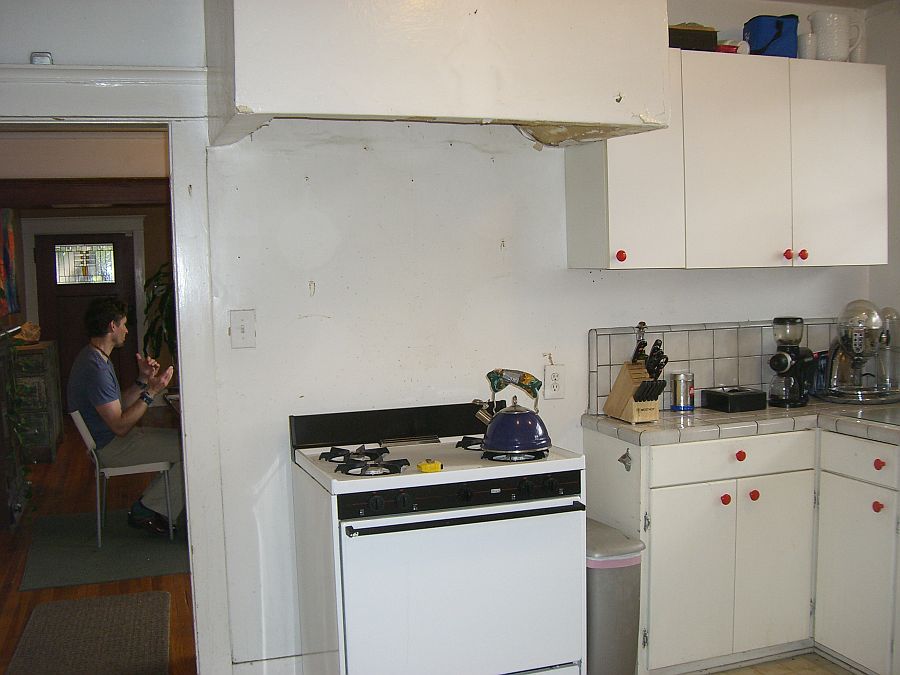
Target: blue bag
772, 35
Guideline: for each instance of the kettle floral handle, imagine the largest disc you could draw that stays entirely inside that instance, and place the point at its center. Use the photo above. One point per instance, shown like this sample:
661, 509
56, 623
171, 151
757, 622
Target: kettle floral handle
500, 378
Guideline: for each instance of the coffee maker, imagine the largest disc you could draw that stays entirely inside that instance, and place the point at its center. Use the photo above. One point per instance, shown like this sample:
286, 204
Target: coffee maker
793, 365
857, 362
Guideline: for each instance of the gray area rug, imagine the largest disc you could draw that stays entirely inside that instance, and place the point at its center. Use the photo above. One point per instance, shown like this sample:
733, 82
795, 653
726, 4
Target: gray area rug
113, 634
64, 552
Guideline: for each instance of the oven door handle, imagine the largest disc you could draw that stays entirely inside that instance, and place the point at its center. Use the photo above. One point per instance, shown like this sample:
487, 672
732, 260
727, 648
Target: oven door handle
351, 531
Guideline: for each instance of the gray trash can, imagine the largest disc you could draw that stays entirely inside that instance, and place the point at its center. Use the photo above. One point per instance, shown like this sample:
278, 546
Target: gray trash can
613, 600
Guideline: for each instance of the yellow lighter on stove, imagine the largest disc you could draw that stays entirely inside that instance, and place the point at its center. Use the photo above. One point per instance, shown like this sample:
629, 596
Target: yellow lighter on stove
429, 466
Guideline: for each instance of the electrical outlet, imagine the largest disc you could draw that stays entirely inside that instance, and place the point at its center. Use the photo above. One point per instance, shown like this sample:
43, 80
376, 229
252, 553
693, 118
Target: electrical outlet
554, 381
242, 328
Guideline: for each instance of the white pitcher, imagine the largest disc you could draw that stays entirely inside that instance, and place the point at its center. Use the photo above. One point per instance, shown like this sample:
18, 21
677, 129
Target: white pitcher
832, 31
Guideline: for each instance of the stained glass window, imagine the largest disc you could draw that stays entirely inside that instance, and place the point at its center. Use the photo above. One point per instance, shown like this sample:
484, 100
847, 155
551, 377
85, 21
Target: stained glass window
85, 264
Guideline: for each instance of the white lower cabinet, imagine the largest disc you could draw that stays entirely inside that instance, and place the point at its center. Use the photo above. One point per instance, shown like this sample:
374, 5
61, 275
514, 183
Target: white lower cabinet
730, 566
728, 525
855, 601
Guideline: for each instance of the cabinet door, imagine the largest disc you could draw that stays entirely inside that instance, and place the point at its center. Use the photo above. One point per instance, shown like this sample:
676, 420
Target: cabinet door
839, 160
854, 579
737, 160
691, 578
625, 196
773, 560
646, 190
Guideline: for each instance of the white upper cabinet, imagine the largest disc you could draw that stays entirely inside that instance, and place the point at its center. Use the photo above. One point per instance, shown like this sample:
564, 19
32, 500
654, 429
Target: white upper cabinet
839, 162
598, 64
737, 159
625, 196
767, 162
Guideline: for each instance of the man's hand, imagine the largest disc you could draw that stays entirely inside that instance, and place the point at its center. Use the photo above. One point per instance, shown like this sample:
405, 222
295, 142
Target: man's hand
147, 367
159, 381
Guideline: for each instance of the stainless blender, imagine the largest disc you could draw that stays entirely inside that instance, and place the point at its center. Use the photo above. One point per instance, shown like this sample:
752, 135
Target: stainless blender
856, 371
793, 364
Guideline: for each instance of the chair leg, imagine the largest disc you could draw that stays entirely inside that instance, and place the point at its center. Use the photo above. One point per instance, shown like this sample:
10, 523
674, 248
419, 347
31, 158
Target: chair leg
169, 508
99, 525
105, 493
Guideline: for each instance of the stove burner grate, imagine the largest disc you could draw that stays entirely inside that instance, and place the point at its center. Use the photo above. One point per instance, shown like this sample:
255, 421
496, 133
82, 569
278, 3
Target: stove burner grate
360, 454
470, 443
500, 456
375, 467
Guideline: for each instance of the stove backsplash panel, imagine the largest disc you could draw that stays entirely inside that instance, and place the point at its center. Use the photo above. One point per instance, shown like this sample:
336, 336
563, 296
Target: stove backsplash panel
718, 354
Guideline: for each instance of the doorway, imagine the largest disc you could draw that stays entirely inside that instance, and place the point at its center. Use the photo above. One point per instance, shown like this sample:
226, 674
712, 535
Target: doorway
66, 486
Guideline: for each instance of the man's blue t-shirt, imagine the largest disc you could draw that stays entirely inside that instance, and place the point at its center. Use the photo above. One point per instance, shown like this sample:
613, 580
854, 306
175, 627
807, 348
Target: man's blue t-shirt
93, 382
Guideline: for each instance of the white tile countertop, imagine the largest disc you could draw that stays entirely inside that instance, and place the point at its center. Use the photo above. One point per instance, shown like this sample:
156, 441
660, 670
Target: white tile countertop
706, 424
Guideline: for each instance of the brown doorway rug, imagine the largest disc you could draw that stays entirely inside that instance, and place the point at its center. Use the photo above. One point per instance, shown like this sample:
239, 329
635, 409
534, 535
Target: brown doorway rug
115, 634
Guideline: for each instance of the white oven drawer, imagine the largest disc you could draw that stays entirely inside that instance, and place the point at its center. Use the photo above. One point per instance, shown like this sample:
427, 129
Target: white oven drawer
479, 591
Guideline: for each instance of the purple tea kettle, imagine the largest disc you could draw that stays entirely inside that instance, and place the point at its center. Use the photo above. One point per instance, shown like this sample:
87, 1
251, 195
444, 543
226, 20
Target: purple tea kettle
515, 428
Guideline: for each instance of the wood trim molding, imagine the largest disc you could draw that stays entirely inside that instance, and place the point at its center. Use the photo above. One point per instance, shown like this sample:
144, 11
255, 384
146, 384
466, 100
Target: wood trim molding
101, 92
29, 193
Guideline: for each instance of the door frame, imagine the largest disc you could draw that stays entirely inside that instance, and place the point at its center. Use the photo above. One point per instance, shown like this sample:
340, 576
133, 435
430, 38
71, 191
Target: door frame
134, 225
177, 99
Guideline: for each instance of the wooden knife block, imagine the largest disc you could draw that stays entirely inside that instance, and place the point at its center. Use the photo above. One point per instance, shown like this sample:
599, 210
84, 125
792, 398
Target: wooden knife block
621, 404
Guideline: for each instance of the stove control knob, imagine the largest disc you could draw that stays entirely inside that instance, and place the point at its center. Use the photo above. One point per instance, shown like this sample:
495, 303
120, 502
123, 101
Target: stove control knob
465, 494
376, 504
404, 501
525, 489
552, 486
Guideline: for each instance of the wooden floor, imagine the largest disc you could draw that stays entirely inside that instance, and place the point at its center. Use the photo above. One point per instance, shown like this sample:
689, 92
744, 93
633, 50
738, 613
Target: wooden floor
67, 486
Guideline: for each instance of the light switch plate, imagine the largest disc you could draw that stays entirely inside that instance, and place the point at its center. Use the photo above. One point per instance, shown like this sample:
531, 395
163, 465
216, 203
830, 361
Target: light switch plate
242, 328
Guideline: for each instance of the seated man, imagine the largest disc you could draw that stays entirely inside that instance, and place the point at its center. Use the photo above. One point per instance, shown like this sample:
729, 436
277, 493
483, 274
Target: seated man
111, 415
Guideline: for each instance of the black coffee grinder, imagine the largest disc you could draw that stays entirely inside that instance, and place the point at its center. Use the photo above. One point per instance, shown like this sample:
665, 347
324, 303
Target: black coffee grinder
793, 365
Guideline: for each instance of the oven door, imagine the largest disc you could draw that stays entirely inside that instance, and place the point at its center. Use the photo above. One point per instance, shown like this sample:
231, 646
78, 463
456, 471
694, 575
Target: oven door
487, 590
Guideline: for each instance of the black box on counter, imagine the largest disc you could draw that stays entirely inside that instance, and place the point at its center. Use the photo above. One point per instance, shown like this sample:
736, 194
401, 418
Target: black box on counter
733, 399
693, 37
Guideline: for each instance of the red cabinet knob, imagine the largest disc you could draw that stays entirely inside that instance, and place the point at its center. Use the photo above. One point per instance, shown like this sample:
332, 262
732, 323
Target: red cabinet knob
621, 255
788, 254
754, 495
879, 464
726, 499
804, 254
740, 455
877, 506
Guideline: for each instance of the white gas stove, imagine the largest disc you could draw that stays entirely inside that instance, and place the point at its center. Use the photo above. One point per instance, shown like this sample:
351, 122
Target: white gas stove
411, 556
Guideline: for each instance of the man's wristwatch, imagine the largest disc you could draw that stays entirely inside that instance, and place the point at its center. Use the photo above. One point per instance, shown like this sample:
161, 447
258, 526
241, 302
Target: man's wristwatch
146, 398
142, 385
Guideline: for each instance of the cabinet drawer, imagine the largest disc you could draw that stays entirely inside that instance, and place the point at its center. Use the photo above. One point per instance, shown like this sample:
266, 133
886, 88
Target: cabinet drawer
33, 360
32, 393
721, 459
860, 458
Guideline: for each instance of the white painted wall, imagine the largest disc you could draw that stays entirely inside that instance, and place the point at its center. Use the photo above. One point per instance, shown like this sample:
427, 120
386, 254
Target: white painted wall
394, 264
102, 33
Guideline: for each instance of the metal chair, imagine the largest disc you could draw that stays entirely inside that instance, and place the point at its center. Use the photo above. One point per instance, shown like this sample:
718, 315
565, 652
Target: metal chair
108, 471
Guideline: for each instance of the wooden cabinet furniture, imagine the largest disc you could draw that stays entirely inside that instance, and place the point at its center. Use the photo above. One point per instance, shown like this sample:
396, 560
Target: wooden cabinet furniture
13, 489
39, 398
729, 531
625, 196
441, 61
783, 163
858, 509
